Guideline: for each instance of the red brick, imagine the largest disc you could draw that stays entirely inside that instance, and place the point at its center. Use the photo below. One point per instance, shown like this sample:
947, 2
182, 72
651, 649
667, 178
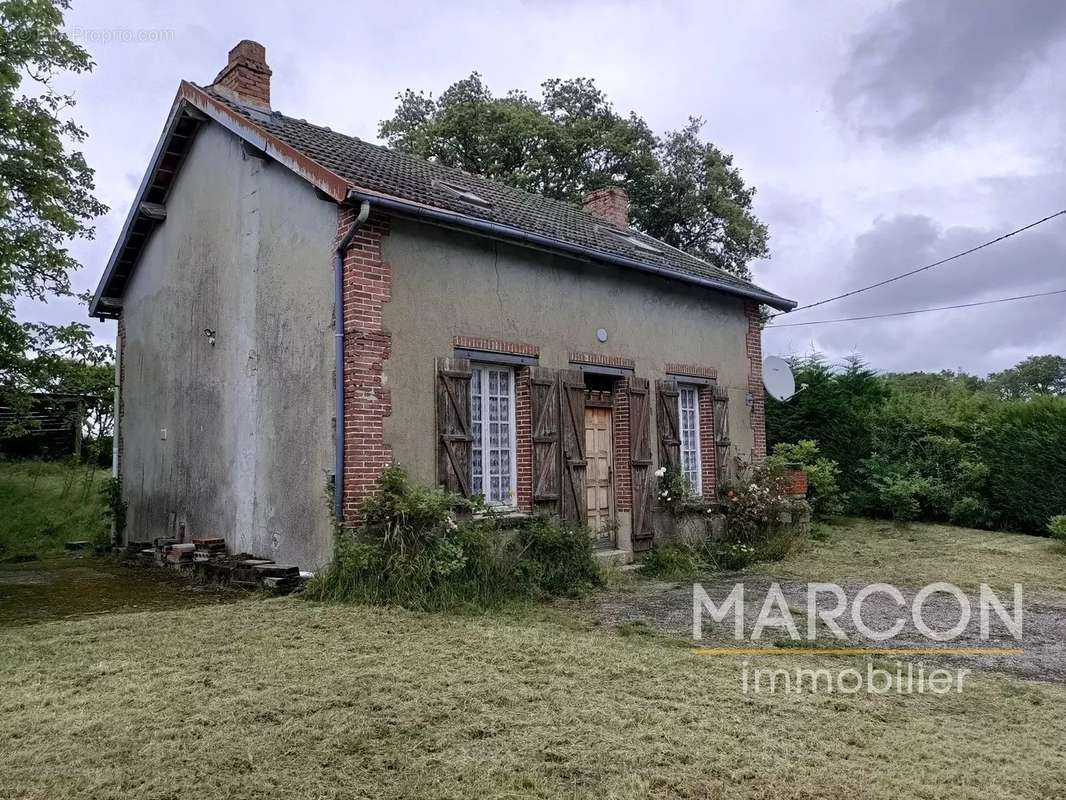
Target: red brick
523, 440
495, 346
611, 204
367, 346
755, 387
247, 74
623, 483
596, 359
692, 370
708, 452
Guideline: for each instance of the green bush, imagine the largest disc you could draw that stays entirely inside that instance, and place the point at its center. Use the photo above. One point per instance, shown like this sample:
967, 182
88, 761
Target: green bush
556, 558
898, 496
675, 494
678, 562
115, 508
754, 530
941, 447
823, 488
1024, 446
420, 548
971, 512
835, 410
755, 505
1057, 526
671, 561
732, 556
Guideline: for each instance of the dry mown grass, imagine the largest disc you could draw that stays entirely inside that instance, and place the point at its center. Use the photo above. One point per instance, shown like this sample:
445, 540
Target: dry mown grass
291, 699
863, 550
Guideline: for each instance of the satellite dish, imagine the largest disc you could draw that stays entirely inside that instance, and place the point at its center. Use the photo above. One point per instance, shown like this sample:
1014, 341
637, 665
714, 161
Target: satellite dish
777, 378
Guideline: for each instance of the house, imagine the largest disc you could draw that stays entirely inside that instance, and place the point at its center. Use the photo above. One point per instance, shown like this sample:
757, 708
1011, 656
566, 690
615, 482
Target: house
545, 356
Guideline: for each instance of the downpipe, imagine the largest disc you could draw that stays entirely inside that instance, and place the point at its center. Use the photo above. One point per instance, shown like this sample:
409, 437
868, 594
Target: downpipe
338, 339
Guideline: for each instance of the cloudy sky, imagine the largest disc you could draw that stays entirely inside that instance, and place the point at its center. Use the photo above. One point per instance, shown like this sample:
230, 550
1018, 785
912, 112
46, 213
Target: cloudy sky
880, 136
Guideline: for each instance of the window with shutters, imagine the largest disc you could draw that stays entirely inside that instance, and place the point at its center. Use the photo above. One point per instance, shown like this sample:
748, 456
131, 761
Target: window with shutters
492, 426
688, 402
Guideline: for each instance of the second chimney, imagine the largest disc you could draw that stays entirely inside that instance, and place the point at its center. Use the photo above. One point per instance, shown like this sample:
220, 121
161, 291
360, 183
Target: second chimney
611, 204
246, 77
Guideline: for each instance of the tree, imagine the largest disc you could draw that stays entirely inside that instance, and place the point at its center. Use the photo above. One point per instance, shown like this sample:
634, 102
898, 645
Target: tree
945, 382
62, 360
570, 141
834, 410
1036, 375
46, 194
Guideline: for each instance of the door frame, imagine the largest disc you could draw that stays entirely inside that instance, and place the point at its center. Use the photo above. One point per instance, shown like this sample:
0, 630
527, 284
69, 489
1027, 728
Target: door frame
606, 403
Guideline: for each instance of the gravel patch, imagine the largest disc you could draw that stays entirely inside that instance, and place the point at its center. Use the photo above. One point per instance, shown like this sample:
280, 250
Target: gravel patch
666, 608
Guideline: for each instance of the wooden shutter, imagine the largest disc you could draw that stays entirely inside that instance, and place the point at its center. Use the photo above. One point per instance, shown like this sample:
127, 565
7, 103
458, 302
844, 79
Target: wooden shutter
640, 462
669, 429
453, 424
573, 503
544, 409
721, 434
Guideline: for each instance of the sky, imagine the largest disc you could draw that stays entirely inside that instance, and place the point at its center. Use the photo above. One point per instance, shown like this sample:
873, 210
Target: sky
880, 136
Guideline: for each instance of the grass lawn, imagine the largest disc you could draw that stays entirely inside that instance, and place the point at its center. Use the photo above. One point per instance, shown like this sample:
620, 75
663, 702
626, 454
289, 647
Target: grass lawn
47, 503
286, 698
861, 550
290, 699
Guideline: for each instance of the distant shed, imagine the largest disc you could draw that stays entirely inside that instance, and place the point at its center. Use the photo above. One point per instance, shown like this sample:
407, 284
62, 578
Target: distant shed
51, 427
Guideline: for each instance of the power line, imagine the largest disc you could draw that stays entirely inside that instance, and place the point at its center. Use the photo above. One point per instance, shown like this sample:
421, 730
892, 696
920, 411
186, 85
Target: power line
928, 266
918, 310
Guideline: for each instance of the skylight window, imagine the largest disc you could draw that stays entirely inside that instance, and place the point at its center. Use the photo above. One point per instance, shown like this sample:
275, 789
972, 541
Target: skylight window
465, 195
633, 241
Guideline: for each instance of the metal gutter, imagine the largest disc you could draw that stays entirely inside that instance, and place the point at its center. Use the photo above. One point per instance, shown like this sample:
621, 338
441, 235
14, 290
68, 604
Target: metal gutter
498, 230
338, 339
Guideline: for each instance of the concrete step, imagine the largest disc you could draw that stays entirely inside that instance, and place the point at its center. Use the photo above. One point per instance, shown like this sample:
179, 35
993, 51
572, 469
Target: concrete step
277, 571
612, 558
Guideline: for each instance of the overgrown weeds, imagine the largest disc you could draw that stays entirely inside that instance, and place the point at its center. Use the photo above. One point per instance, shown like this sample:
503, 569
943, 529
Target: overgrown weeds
115, 509
430, 549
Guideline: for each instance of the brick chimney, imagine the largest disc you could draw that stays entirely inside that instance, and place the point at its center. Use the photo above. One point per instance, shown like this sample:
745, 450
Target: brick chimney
611, 204
246, 77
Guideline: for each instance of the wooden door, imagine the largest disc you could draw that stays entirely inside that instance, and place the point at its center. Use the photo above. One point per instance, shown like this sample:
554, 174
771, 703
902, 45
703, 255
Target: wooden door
599, 474
572, 445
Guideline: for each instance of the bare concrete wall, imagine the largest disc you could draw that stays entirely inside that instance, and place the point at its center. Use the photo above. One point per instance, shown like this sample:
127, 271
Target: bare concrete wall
245, 252
447, 284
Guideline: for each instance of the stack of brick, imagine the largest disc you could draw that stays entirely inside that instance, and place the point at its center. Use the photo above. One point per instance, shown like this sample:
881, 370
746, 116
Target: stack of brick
211, 561
256, 573
209, 548
179, 553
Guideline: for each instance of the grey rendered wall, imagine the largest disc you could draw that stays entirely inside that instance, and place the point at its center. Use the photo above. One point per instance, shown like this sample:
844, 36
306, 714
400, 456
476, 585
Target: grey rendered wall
246, 252
447, 284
